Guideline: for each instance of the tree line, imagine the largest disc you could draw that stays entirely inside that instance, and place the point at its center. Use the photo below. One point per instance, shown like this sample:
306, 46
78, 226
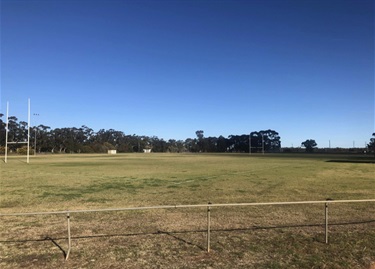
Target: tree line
86, 140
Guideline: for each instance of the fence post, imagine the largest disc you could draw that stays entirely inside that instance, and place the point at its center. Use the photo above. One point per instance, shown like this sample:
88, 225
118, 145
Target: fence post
69, 239
208, 227
326, 220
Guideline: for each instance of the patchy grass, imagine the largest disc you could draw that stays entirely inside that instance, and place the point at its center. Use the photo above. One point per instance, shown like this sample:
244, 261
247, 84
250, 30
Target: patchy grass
242, 237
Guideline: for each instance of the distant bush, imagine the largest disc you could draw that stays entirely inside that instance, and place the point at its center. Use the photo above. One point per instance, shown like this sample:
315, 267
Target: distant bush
108, 146
23, 151
87, 149
99, 148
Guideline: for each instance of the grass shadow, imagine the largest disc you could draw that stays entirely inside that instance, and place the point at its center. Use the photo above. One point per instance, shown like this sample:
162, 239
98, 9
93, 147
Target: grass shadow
47, 238
352, 159
181, 239
57, 245
372, 160
174, 234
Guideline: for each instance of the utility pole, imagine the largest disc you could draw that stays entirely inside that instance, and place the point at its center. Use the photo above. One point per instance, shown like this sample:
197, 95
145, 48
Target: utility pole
36, 129
262, 145
6, 135
250, 143
28, 132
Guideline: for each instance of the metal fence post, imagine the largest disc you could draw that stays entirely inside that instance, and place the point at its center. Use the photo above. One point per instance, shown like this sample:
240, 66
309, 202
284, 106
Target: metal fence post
326, 221
208, 227
69, 238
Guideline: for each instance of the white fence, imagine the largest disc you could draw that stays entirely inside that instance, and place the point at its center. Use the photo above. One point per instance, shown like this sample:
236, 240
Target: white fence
207, 206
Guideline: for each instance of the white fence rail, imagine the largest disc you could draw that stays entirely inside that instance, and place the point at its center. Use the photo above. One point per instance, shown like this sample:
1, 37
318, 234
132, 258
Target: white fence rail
208, 206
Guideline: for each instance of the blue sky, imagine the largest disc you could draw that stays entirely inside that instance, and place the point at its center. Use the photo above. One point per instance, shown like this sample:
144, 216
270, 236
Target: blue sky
168, 68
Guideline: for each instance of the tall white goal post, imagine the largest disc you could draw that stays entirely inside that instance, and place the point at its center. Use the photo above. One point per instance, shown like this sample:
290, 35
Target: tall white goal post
18, 142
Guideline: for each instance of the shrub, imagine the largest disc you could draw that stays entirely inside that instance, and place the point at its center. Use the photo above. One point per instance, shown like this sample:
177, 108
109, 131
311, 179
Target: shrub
23, 151
87, 149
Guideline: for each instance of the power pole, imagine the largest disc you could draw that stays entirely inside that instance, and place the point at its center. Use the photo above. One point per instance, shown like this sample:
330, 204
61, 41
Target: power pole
35, 114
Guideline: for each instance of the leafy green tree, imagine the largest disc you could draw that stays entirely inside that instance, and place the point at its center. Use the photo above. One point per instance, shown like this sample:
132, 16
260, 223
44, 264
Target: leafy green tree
222, 144
172, 145
15, 133
238, 143
108, 146
2, 131
256, 141
157, 145
191, 145
200, 138
85, 140
181, 146
211, 144
371, 145
41, 134
309, 144
271, 140
88, 134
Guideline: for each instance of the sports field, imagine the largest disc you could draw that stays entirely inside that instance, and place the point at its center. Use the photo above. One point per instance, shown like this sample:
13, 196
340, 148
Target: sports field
242, 237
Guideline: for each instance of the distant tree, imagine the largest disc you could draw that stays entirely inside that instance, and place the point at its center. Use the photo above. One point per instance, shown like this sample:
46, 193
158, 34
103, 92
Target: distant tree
43, 138
158, 145
181, 146
371, 145
108, 146
88, 134
222, 144
172, 145
271, 140
200, 134
210, 144
191, 145
309, 144
200, 143
238, 143
85, 140
256, 141
17, 132
60, 138
13, 127
2, 130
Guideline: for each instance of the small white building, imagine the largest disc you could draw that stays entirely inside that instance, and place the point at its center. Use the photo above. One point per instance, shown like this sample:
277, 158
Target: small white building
112, 151
146, 150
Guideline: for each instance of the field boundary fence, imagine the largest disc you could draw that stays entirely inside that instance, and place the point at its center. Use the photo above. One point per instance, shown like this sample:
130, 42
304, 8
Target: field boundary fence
208, 207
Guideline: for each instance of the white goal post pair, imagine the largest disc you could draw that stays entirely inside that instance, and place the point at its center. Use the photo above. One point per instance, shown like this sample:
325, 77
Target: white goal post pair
17, 142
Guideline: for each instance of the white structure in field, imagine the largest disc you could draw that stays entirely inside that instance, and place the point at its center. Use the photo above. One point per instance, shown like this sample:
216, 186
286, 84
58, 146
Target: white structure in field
146, 150
112, 151
17, 142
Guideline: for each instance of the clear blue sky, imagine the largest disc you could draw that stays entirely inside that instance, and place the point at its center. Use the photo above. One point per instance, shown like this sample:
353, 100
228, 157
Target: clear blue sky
304, 68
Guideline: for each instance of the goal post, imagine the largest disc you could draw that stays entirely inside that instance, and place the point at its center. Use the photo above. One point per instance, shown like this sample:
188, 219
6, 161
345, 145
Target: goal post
16, 142
250, 147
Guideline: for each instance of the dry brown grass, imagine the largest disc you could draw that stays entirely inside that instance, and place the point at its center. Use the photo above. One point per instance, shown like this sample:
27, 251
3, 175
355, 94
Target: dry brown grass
241, 237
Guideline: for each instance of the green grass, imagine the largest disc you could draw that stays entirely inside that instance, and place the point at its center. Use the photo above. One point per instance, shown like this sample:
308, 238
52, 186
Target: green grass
60, 182
291, 238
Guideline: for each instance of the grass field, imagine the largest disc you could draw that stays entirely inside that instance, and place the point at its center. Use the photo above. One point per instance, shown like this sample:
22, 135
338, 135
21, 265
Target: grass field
242, 237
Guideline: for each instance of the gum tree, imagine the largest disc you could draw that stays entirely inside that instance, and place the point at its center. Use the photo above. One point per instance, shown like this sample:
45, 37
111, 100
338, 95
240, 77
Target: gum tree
309, 144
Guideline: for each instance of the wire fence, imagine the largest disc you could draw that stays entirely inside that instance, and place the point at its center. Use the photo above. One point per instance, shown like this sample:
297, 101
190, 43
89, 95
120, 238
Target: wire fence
208, 208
